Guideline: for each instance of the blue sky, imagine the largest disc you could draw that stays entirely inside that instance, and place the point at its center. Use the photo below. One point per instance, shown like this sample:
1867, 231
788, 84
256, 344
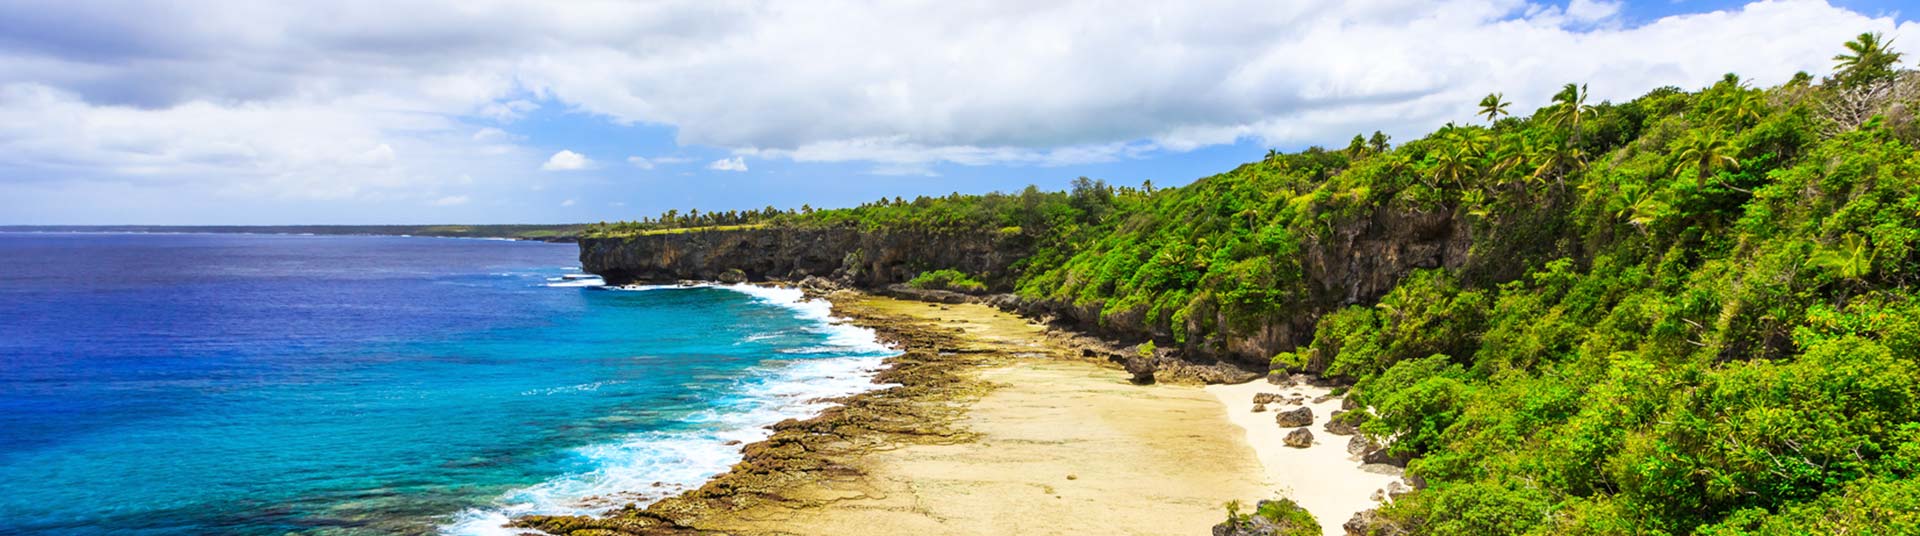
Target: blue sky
479, 111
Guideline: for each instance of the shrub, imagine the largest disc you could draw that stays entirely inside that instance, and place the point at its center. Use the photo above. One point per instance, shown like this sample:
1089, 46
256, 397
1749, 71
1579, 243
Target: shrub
947, 279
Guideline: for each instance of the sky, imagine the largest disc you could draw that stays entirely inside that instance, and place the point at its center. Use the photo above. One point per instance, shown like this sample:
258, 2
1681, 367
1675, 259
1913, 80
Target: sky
476, 111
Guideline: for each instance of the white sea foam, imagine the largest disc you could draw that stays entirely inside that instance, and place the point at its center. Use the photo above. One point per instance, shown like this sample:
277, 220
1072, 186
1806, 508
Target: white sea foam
583, 282
648, 466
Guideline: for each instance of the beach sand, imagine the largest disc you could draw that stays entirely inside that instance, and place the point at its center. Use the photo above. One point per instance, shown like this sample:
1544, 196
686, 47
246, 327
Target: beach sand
1322, 478
1062, 446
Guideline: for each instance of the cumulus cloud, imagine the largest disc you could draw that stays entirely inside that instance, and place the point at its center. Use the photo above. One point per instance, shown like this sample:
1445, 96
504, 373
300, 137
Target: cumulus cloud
386, 99
729, 164
450, 201
566, 160
567, 203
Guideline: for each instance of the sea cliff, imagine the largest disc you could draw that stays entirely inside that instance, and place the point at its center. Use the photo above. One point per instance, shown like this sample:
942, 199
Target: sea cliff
1358, 261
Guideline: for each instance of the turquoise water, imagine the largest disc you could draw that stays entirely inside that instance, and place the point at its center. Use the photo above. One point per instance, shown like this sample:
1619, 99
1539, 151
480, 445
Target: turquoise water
240, 384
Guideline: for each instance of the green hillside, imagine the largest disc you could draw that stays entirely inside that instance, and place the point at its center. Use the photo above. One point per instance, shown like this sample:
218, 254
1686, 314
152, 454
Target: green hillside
1690, 312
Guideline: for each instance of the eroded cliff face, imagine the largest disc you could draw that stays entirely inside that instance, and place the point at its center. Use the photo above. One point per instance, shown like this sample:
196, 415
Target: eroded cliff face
862, 259
1355, 262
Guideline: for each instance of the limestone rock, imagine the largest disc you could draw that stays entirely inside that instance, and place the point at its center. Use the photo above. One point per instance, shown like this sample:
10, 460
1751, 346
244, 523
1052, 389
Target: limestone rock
1301, 438
1142, 370
1293, 418
1337, 426
1360, 445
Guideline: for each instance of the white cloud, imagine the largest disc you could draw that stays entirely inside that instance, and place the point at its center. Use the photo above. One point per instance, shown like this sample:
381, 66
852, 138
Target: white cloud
567, 203
729, 164
450, 201
640, 162
384, 100
566, 160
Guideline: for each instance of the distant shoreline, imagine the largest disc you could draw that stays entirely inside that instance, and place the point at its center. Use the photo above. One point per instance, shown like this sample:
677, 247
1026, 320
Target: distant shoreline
559, 233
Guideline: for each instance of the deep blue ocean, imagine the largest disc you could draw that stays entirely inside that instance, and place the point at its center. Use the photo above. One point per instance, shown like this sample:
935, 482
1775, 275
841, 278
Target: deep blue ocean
155, 384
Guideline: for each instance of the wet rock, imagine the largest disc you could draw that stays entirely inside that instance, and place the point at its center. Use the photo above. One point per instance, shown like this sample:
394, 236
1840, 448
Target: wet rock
1300, 438
1337, 426
1293, 418
733, 275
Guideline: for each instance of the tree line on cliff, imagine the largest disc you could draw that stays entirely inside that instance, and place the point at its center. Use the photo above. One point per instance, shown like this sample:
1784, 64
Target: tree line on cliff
1693, 312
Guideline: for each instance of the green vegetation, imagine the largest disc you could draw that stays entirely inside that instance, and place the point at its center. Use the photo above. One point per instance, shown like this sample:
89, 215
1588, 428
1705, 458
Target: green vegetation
1693, 312
1278, 517
947, 279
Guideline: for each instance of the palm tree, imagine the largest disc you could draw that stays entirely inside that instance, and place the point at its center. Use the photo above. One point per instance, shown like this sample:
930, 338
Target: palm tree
1357, 148
1706, 154
1638, 206
1870, 59
1740, 107
1570, 108
1552, 159
1852, 260
1455, 166
1493, 107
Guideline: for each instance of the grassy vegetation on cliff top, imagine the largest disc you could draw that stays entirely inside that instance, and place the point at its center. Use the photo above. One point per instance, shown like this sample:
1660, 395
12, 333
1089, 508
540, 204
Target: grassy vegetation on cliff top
1693, 312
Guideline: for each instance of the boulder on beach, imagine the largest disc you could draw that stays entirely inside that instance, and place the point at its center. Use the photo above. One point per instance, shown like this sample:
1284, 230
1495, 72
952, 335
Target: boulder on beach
1259, 408
1142, 370
1293, 418
1299, 438
1266, 398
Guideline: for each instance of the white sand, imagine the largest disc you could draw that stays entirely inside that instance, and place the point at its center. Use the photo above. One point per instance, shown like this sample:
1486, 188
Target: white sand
1322, 478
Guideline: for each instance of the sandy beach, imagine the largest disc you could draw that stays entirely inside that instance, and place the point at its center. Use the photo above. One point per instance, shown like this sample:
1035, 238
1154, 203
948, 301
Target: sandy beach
1060, 446
1322, 478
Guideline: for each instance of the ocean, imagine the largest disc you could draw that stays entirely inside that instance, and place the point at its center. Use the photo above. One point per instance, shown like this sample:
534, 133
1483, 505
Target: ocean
191, 384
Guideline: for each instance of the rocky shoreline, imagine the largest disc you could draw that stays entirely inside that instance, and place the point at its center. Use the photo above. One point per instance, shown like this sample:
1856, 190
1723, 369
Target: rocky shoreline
929, 391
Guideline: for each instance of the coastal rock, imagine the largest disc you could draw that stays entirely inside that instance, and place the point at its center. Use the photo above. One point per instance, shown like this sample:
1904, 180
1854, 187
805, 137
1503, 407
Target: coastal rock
1364, 523
1293, 418
1300, 438
1142, 370
733, 275
1259, 408
1265, 398
1381, 456
1271, 518
1349, 403
1337, 426
1360, 445
1415, 481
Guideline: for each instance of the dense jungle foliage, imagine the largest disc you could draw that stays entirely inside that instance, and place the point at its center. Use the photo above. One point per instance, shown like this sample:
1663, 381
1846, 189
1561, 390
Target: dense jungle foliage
1693, 312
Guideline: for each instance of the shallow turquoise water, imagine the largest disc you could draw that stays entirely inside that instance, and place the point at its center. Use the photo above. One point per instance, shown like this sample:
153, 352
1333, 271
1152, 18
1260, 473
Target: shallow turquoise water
239, 384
